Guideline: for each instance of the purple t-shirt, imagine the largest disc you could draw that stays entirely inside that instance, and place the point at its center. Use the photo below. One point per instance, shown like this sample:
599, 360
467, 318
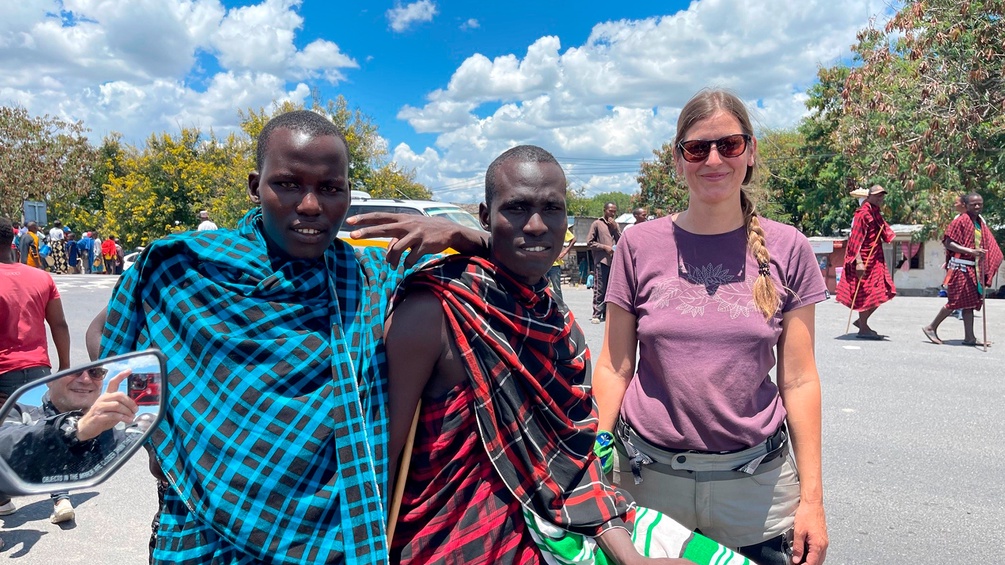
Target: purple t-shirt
705, 350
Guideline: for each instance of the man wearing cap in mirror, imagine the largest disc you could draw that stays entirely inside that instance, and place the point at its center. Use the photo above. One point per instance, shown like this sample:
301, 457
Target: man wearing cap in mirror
70, 433
866, 282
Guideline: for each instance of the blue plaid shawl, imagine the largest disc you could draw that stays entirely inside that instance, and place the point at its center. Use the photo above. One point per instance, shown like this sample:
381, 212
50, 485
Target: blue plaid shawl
276, 428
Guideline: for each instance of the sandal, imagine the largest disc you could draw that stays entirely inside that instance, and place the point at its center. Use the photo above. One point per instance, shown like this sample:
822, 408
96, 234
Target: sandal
976, 343
873, 336
931, 335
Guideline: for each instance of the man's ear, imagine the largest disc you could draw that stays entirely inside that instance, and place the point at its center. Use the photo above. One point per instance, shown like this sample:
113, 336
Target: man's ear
483, 216
253, 180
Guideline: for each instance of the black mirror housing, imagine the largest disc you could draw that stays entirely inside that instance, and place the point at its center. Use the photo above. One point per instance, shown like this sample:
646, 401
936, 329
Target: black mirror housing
52, 440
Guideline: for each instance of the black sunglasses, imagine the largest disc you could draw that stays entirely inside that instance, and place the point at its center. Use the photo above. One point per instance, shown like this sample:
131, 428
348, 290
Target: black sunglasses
697, 150
95, 374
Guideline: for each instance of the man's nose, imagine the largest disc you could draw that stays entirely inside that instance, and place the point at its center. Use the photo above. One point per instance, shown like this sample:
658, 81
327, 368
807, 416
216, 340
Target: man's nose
535, 224
310, 204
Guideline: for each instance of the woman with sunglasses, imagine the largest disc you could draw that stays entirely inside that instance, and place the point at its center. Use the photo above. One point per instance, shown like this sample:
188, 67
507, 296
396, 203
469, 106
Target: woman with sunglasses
699, 429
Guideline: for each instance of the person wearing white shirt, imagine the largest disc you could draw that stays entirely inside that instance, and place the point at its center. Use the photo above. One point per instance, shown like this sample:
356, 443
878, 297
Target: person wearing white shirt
205, 223
57, 249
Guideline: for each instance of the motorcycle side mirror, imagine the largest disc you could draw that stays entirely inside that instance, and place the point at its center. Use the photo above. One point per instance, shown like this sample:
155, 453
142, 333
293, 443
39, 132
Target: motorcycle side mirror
74, 429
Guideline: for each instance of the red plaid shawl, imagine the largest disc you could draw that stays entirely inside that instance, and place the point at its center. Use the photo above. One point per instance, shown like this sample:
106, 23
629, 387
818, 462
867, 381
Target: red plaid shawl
962, 283
527, 362
865, 241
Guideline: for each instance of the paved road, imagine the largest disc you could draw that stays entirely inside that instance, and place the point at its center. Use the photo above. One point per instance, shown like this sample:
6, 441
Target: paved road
914, 466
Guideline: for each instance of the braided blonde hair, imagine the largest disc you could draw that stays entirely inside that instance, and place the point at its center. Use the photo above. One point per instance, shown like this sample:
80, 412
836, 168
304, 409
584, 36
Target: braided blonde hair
702, 106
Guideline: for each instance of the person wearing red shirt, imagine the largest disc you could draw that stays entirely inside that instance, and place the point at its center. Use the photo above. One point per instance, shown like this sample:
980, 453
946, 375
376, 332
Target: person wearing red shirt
28, 296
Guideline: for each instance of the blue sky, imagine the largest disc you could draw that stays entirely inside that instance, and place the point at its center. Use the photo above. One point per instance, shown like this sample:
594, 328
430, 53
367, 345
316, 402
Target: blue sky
450, 84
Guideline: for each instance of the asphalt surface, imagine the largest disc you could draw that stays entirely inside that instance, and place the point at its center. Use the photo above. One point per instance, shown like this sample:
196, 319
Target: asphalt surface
914, 465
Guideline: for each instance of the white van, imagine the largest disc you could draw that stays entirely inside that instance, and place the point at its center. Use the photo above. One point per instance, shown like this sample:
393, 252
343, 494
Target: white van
363, 204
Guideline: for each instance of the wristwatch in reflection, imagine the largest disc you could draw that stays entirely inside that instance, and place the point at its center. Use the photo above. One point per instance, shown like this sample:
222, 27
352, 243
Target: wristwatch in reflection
68, 427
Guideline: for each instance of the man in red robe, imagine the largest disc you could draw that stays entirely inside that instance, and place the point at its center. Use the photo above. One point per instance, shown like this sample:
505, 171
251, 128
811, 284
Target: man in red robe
507, 422
974, 258
866, 282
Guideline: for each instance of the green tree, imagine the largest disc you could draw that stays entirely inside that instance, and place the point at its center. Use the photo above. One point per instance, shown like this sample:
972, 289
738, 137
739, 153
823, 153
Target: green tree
925, 108
660, 189
86, 212
253, 122
226, 166
389, 181
779, 193
164, 185
41, 158
825, 180
578, 204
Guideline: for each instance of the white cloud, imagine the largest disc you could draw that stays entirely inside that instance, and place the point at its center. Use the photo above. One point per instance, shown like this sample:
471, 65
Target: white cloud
260, 38
134, 67
616, 97
321, 58
600, 106
402, 17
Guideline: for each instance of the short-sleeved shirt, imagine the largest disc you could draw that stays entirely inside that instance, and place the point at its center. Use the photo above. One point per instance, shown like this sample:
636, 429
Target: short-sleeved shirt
24, 294
705, 349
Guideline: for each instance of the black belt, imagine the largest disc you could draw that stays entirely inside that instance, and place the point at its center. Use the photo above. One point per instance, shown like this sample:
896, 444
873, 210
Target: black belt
641, 452
29, 373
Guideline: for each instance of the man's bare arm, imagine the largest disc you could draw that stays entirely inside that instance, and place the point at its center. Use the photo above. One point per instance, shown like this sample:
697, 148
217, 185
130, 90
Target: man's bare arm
414, 344
617, 545
566, 248
957, 248
420, 235
60, 331
92, 339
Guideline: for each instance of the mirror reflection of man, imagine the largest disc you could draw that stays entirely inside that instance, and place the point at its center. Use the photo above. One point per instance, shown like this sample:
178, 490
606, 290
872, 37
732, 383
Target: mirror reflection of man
72, 431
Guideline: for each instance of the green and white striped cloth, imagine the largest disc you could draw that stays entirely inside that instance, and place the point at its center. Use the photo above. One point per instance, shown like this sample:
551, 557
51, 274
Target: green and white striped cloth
655, 535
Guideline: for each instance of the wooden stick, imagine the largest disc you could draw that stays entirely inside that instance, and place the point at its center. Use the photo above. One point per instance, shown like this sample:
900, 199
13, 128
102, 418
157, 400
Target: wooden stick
854, 296
399, 484
984, 315
984, 302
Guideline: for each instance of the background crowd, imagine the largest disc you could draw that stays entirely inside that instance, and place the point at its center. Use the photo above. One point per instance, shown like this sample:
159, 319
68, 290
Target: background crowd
60, 252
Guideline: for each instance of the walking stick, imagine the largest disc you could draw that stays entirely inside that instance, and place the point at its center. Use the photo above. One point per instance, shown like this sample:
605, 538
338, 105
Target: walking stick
984, 302
984, 316
399, 485
860, 279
